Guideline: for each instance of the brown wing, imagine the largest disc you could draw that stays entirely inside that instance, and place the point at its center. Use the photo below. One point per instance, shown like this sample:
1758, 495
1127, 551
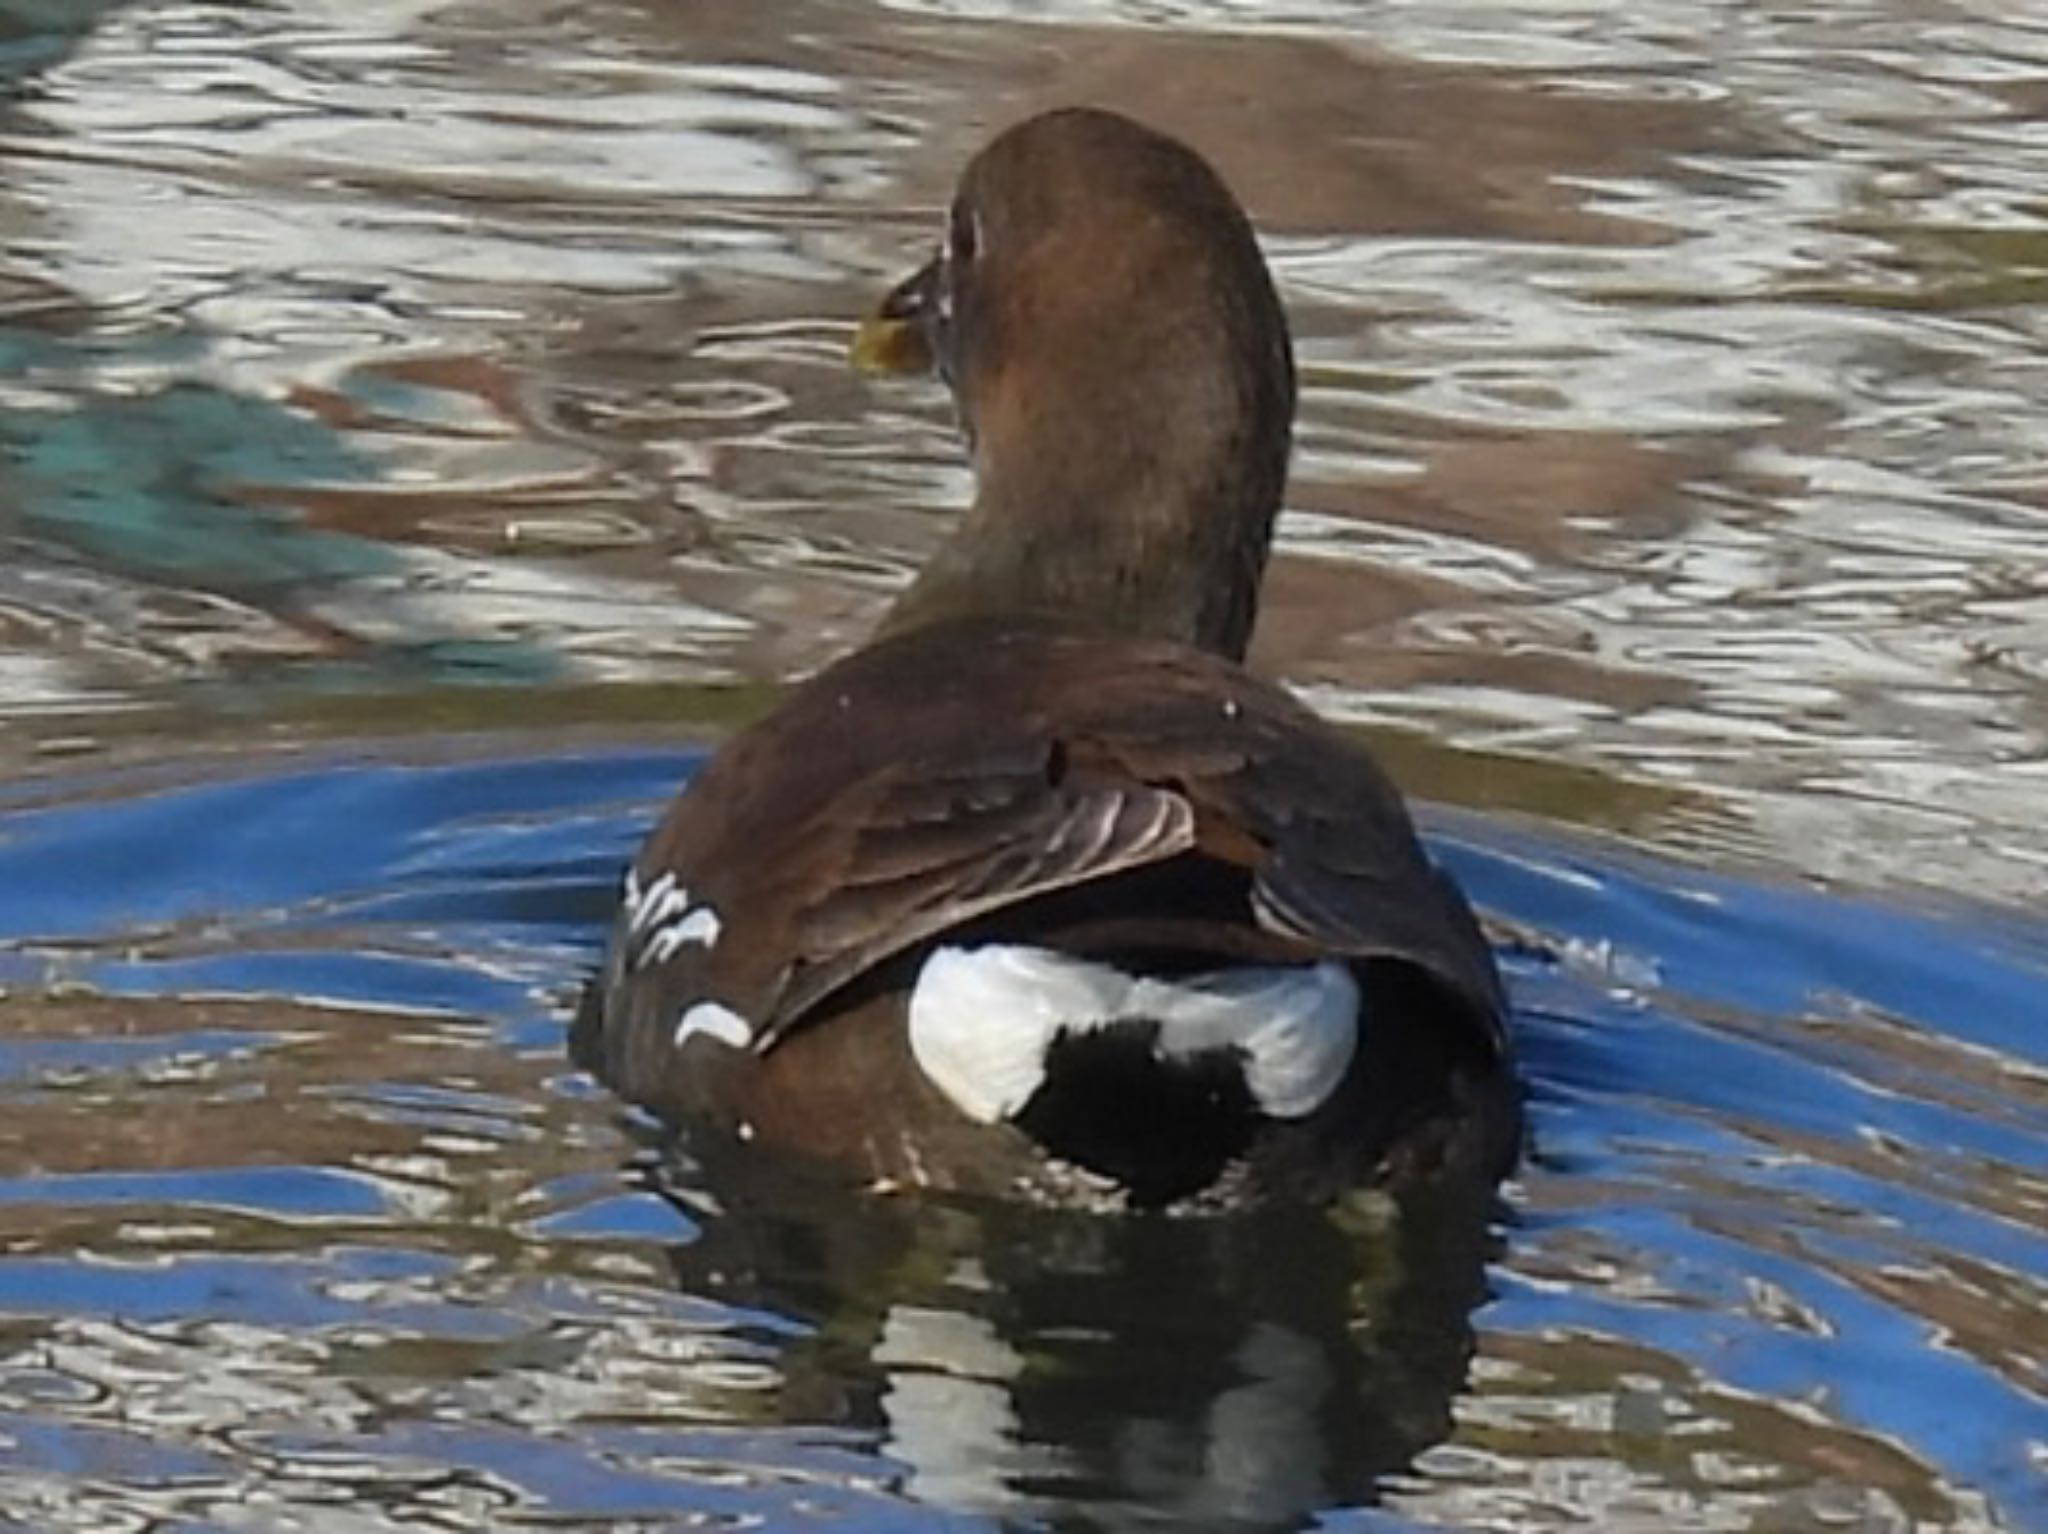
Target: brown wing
909, 877
952, 772
1334, 860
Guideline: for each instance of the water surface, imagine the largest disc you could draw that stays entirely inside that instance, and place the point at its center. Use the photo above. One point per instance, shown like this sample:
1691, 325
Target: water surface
305, 1208
383, 384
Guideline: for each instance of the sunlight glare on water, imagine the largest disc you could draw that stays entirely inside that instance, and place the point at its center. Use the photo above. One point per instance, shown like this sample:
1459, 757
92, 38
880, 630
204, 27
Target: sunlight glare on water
1779, 1251
423, 425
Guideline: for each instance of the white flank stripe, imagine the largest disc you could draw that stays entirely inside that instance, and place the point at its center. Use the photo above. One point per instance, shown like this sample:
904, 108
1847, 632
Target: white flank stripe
659, 901
717, 1021
982, 1019
700, 925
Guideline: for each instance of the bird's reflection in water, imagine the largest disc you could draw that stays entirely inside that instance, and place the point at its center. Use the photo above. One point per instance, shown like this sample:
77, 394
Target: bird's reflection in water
1108, 1371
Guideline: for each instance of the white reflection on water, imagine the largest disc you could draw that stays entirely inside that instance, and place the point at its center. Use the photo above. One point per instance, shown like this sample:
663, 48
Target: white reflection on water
1812, 319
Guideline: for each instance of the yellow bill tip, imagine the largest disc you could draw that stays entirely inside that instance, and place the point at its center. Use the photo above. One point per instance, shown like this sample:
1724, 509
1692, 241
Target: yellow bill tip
886, 345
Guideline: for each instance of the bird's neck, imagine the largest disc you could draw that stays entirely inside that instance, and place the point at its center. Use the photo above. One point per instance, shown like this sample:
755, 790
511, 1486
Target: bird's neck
1149, 531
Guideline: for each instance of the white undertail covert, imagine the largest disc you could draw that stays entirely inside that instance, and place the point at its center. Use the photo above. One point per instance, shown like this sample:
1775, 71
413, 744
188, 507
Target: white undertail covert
983, 1019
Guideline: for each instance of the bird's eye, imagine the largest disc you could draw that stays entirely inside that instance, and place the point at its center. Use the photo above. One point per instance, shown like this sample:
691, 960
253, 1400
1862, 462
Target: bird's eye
963, 236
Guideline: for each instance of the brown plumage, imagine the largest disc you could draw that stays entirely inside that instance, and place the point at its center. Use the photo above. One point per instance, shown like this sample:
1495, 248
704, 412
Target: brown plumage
1052, 744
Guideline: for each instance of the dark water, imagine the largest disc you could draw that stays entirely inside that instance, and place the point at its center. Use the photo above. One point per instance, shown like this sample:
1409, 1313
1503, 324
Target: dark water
421, 424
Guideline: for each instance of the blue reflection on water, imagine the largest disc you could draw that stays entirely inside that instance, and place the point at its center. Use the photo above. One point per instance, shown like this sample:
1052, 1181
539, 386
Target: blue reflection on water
1718, 1057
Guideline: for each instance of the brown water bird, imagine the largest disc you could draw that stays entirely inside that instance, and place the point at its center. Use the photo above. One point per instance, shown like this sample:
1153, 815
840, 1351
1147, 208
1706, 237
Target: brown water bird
1041, 894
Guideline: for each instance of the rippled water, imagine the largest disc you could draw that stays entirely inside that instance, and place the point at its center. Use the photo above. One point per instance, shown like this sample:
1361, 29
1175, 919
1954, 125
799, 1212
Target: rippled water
306, 1213
376, 379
